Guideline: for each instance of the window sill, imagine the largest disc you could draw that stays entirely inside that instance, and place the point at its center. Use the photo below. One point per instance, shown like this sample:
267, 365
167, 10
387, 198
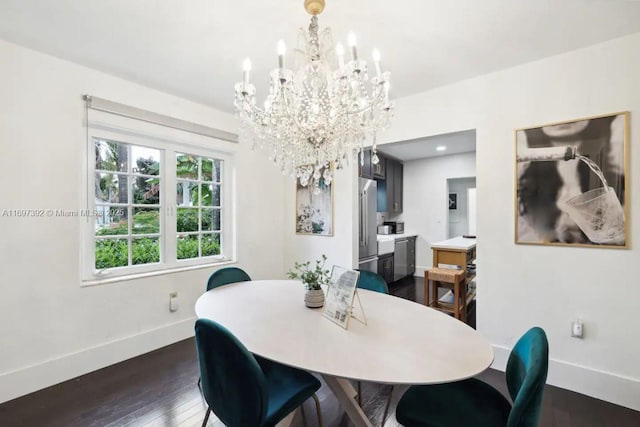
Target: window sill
124, 278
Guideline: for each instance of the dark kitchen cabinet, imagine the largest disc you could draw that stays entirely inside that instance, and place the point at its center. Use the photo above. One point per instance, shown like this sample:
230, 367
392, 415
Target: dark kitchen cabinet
365, 169
398, 170
385, 267
396, 194
390, 188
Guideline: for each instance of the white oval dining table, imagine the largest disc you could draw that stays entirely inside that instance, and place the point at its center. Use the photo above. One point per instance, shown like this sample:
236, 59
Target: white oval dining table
403, 342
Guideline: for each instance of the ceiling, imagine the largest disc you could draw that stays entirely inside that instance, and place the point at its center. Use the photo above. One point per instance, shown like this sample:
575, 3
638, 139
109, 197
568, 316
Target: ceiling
195, 48
414, 149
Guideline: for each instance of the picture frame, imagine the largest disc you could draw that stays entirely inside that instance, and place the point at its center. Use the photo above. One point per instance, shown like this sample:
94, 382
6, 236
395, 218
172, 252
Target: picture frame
559, 194
314, 209
338, 305
453, 201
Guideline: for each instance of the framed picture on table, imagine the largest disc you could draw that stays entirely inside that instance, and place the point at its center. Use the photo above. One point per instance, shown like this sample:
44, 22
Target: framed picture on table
571, 183
338, 303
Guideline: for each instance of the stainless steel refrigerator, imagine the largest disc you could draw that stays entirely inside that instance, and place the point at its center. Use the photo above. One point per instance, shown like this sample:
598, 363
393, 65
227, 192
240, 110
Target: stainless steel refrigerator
367, 230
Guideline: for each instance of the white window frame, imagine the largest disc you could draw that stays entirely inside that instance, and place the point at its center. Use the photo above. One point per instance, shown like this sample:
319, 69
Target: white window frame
168, 146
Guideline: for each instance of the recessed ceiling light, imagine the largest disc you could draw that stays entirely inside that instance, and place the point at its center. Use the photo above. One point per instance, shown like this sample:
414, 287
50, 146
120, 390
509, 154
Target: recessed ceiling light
441, 148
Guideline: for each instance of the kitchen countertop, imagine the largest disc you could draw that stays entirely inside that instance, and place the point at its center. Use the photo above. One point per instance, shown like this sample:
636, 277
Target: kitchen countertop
383, 237
459, 243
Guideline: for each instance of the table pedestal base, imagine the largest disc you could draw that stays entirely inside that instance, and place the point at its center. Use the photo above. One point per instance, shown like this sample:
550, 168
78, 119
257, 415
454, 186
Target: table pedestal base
345, 393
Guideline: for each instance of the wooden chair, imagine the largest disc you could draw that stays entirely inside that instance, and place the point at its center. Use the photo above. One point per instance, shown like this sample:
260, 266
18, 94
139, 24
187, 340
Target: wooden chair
454, 280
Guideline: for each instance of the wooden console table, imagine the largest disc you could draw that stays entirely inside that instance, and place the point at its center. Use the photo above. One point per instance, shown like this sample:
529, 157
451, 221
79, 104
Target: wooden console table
452, 253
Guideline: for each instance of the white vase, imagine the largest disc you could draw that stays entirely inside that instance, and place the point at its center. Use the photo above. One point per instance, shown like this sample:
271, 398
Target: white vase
314, 298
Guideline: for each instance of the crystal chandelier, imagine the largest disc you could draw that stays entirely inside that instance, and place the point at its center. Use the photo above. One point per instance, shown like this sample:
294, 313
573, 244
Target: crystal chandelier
320, 112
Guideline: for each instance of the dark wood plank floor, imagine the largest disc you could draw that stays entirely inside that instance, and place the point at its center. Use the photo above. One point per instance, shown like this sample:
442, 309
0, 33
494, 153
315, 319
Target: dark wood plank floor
159, 389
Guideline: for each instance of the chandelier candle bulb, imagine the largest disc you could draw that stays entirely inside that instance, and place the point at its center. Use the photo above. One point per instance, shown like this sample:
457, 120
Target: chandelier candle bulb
376, 62
387, 86
352, 44
246, 68
340, 53
282, 49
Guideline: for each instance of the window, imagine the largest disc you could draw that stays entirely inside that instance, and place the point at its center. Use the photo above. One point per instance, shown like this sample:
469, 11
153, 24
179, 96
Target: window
155, 206
127, 205
199, 211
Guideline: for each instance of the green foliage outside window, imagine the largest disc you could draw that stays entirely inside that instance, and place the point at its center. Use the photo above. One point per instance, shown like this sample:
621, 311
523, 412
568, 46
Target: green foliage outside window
111, 188
111, 253
114, 252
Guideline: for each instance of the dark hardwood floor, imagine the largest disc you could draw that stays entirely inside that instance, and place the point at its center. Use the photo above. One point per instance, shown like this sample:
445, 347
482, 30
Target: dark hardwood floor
159, 389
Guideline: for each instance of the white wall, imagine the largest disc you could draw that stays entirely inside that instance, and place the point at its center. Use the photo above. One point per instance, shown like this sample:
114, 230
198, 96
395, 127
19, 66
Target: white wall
524, 286
425, 200
51, 328
472, 211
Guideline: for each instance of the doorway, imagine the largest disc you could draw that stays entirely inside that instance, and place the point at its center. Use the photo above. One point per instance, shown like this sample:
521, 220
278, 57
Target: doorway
462, 207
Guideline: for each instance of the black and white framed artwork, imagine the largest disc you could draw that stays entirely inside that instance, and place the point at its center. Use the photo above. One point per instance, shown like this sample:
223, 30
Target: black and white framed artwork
572, 183
453, 201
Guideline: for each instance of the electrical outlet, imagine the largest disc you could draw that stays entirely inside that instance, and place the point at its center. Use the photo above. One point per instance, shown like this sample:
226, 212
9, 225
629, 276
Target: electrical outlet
577, 329
173, 303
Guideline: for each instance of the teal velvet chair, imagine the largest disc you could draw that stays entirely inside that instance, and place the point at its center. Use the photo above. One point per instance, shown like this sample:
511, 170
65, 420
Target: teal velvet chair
475, 403
244, 390
225, 276
372, 282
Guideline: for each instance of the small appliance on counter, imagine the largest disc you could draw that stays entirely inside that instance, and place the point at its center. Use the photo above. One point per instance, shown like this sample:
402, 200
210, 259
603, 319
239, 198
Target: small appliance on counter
396, 227
384, 229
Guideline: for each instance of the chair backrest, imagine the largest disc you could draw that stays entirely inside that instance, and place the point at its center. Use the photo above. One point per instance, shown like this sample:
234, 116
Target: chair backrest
526, 377
372, 281
233, 384
225, 276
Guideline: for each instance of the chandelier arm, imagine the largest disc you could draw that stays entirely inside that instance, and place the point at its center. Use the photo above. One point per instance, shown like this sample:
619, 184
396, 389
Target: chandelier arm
255, 109
293, 117
363, 110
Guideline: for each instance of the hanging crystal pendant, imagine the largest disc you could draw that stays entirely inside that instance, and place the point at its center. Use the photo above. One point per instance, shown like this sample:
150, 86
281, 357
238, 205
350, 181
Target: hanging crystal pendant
319, 111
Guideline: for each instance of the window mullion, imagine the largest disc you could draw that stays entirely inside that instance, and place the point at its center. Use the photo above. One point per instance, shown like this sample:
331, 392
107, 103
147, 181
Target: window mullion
89, 242
129, 203
170, 210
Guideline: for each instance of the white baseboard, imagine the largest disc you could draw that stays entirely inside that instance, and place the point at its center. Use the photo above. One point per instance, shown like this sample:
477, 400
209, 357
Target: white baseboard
36, 377
420, 271
621, 390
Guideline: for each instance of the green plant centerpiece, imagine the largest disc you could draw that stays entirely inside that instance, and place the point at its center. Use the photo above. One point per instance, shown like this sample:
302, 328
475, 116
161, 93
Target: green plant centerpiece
312, 278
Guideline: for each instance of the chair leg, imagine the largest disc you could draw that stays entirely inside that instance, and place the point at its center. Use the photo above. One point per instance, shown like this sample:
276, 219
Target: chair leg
359, 394
386, 407
318, 410
304, 415
206, 417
